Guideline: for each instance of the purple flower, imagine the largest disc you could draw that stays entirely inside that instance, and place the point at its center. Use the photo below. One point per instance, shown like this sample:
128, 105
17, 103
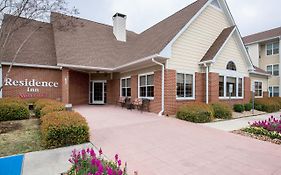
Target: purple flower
116, 157
100, 151
92, 152
119, 163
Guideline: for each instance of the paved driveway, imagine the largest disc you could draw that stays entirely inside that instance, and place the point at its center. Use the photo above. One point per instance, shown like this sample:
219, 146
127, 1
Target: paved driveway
165, 146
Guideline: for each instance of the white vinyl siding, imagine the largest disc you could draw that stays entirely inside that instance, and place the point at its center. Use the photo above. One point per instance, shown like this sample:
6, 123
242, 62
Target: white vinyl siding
231, 52
192, 45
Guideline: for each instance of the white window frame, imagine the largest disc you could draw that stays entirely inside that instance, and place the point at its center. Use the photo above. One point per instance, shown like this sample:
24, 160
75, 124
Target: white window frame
272, 43
125, 78
258, 81
193, 86
146, 74
272, 90
232, 75
271, 65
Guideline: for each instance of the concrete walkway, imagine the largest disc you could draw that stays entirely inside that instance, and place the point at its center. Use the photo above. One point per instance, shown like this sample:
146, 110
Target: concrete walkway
50, 162
236, 124
154, 145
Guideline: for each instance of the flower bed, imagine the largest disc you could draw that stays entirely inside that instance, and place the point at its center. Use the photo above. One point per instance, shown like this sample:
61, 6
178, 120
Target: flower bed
87, 162
269, 129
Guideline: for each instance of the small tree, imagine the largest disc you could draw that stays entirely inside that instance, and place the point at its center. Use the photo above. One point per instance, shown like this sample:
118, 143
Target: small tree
16, 14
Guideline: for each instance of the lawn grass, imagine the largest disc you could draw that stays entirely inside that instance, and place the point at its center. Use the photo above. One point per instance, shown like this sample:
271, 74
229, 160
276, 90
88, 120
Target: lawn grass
20, 137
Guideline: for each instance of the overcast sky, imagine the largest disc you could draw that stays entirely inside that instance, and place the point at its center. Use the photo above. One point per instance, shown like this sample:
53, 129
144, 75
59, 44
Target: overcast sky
251, 16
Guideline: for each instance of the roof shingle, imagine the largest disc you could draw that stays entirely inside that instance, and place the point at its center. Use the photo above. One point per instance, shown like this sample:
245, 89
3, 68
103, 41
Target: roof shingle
262, 36
218, 43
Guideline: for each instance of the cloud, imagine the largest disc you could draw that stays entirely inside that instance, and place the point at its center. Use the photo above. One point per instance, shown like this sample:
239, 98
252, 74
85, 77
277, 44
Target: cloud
250, 15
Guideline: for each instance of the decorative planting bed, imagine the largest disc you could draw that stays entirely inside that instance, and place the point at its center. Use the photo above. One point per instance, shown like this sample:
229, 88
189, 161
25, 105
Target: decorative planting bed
266, 130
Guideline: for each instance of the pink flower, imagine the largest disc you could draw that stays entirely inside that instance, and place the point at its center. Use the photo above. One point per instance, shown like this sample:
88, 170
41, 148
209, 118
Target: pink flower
116, 157
119, 163
92, 152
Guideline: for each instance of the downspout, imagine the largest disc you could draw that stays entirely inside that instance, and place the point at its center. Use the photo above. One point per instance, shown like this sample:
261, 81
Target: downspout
207, 84
163, 88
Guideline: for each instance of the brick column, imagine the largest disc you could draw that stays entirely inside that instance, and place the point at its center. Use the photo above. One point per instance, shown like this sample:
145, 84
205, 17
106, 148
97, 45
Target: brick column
247, 90
65, 85
213, 87
155, 105
134, 86
265, 94
170, 92
200, 87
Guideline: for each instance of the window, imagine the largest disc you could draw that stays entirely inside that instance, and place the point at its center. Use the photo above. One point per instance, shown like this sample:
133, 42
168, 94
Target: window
258, 89
231, 66
146, 86
221, 86
272, 48
233, 84
273, 91
184, 85
240, 87
273, 69
126, 87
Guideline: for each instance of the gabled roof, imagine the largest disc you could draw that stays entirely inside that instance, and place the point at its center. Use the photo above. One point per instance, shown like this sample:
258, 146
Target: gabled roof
217, 45
39, 49
93, 44
269, 34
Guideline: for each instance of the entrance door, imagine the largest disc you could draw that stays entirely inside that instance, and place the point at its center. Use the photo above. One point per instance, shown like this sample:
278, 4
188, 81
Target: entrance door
98, 92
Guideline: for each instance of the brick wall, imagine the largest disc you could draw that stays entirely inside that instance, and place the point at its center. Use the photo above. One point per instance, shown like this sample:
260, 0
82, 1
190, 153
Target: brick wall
65, 85
113, 91
78, 88
39, 74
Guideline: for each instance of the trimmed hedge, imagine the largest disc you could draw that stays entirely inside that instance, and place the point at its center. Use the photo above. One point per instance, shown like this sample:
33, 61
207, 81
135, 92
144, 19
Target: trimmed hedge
248, 106
222, 110
63, 129
13, 100
267, 105
51, 108
13, 111
195, 112
40, 104
238, 108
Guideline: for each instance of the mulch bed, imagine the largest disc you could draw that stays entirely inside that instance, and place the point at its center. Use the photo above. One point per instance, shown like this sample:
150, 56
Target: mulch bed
6, 127
259, 137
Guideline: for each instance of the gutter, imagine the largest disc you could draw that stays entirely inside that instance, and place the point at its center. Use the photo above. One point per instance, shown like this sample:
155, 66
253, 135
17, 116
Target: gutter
31, 65
163, 87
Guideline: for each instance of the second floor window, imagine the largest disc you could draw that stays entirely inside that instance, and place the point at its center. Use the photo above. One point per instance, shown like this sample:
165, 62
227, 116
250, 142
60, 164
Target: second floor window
272, 48
273, 69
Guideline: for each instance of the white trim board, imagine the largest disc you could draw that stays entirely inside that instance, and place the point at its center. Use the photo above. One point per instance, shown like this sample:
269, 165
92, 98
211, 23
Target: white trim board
31, 65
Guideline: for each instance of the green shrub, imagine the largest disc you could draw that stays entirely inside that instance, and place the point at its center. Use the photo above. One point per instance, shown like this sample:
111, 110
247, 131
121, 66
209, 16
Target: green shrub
248, 106
52, 108
262, 131
195, 112
63, 129
222, 110
40, 104
267, 105
239, 108
13, 111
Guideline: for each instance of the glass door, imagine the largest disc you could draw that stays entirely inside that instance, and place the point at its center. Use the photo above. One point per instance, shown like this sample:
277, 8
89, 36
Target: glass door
97, 88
